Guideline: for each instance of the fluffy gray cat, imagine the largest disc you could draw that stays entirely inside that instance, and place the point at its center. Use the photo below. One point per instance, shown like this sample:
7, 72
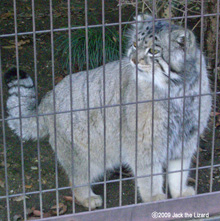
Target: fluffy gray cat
152, 64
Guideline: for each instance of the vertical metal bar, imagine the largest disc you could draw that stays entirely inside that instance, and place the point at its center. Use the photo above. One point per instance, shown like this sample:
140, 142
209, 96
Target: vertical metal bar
71, 102
104, 110
200, 88
184, 98
136, 99
4, 140
152, 125
54, 103
36, 103
168, 119
19, 100
215, 95
88, 113
120, 94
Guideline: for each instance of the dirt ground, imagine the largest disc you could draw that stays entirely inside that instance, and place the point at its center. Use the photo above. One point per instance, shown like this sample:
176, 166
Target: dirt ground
47, 157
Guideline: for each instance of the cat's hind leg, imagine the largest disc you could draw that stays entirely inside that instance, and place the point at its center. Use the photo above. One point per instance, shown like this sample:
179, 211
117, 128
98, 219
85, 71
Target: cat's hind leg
84, 195
175, 178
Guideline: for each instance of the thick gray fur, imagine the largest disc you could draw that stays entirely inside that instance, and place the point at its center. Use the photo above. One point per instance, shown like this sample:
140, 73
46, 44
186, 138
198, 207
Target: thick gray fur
140, 56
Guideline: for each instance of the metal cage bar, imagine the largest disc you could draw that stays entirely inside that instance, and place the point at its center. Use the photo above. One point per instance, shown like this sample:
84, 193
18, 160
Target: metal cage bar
140, 211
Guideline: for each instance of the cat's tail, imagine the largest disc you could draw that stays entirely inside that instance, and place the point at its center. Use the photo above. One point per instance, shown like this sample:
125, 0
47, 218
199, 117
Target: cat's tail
21, 106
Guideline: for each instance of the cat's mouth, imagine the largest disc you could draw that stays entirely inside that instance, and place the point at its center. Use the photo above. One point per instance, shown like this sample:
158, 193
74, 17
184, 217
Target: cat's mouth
142, 65
141, 61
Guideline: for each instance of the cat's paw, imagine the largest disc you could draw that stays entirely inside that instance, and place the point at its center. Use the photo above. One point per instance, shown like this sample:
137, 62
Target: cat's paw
95, 201
189, 191
158, 197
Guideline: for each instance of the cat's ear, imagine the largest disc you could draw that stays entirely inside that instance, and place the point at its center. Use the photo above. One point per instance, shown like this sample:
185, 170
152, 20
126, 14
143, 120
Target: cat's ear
142, 17
184, 37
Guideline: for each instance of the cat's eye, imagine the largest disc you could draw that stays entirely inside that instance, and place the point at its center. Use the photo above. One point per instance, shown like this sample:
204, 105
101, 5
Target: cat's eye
153, 51
134, 44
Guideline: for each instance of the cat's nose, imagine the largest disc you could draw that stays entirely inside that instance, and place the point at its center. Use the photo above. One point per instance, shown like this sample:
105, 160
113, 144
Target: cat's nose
134, 60
142, 61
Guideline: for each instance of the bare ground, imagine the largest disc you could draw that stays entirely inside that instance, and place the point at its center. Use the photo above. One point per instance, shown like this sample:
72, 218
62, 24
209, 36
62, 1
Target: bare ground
47, 157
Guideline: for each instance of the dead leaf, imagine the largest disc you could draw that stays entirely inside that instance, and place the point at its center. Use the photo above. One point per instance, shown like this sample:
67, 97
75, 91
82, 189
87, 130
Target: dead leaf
57, 14
58, 79
47, 214
28, 177
17, 217
92, 9
3, 164
7, 15
192, 180
28, 186
23, 42
216, 114
34, 168
44, 181
30, 211
20, 43
68, 198
8, 47
202, 150
20, 198
2, 183
114, 39
62, 209
37, 212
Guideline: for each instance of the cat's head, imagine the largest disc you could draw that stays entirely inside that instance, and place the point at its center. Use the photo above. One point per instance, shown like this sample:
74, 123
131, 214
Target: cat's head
158, 42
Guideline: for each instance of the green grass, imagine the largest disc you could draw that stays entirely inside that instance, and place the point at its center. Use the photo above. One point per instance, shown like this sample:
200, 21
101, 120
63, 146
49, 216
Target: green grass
95, 48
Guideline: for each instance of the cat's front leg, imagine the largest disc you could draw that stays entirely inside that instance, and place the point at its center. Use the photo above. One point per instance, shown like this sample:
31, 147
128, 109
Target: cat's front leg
152, 183
151, 186
175, 178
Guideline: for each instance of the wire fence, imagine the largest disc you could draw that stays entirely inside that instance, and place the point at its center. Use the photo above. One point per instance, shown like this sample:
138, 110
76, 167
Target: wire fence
91, 109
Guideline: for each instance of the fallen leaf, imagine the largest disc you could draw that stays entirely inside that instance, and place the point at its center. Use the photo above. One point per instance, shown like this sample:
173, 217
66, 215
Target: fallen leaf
8, 47
20, 198
62, 209
17, 217
28, 186
34, 168
47, 214
212, 114
28, 177
2, 183
37, 212
23, 42
20, 43
30, 211
3, 164
192, 180
68, 198
58, 79
7, 15
202, 150
44, 181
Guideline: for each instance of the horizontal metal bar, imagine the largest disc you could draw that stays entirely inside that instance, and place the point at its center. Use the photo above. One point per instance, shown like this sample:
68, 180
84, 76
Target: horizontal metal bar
108, 181
174, 209
100, 25
110, 106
